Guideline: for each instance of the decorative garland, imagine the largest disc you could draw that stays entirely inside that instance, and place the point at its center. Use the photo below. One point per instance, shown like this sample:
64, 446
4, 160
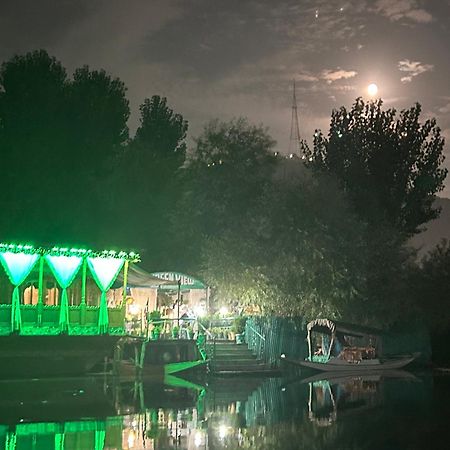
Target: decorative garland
66, 251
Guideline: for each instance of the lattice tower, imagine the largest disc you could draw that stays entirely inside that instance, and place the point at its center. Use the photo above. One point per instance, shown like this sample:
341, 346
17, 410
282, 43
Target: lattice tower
294, 139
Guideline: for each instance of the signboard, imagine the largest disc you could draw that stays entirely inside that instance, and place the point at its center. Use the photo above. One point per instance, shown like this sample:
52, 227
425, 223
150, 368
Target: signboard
186, 282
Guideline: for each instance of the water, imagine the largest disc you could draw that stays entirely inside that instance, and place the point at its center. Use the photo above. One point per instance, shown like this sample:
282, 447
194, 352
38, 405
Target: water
396, 410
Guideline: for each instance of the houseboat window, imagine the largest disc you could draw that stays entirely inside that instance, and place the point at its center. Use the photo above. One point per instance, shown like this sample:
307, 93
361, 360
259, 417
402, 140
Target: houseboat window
92, 294
30, 295
52, 296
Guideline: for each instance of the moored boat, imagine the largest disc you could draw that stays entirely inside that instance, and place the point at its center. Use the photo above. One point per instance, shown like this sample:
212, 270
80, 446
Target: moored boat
54, 316
335, 347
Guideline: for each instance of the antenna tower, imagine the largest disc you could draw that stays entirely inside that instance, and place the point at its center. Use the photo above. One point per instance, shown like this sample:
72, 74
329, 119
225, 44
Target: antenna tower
294, 140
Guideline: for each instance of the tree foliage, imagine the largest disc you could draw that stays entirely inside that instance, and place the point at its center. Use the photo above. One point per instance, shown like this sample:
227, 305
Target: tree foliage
161, 136
431, 286
58, 136
147, 180
391, 167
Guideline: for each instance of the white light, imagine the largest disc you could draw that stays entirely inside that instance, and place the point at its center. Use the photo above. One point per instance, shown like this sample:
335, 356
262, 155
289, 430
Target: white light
134, 309
223, 431
372, 89
131, 439
200, 311
223, 311
198, 439
283, 355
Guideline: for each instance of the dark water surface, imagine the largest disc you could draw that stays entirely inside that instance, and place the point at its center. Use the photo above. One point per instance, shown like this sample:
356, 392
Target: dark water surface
393, 410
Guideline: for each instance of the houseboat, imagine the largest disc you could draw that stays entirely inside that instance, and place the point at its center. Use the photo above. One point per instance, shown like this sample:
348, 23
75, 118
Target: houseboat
54, 315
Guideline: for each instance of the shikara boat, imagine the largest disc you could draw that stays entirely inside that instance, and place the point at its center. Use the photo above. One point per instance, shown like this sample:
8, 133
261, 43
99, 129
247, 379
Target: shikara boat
335, 346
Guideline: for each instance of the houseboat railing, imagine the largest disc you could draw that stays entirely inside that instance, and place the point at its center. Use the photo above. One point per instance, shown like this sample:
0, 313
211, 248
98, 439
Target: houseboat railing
207, 344
255, 341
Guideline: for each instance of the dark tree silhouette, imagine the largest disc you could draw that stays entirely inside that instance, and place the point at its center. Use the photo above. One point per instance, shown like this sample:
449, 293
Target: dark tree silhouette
391, 167
161, 134
148, 179
56, 137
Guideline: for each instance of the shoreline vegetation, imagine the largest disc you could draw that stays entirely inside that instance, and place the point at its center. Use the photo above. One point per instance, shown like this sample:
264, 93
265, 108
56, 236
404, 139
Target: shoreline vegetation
322, 233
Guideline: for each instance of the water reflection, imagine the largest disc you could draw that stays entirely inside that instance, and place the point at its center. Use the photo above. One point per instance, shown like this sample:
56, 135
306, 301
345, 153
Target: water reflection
377, 410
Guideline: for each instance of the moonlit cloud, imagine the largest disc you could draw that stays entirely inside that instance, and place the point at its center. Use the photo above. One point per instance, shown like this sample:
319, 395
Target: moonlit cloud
413, 69
331, 76
445, 109
396, 10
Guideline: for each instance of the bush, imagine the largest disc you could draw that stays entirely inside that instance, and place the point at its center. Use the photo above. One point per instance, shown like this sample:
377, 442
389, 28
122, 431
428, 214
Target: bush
239, 324
154, 316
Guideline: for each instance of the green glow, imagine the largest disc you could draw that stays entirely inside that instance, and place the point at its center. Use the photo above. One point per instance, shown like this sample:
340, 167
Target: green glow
100, 436
18, 260
65, 269
10, 443
104, 271
65, 251
59, 441
179, 366
18, 266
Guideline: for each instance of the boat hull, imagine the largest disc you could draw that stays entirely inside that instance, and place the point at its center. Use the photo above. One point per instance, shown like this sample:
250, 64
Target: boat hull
52, 356
337, 365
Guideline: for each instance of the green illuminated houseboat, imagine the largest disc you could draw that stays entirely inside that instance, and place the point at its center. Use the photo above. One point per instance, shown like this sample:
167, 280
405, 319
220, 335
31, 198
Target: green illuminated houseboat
54, 316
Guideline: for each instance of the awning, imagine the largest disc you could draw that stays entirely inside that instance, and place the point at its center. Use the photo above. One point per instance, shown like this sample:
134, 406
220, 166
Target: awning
139, 278
330, 327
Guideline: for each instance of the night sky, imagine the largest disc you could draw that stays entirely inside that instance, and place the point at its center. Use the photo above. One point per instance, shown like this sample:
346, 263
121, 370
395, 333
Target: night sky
226, 58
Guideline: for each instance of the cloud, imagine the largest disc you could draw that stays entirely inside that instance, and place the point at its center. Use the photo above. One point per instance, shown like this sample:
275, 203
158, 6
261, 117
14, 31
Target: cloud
396, 10
331, 76
306, 77
445, 109
412, 69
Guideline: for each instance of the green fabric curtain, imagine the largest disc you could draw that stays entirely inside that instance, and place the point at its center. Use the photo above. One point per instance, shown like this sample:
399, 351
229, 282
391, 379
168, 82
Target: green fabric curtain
104, 271
11, 440
59, 441
65, 268
100, 436
17, 266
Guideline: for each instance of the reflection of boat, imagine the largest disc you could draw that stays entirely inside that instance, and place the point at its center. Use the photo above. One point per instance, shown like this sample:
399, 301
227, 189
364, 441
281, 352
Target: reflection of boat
54, 399
346, 393
347, 348
375, 375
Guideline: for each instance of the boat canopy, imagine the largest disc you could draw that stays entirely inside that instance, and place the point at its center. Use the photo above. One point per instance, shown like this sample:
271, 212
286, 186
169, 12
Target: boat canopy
332, 327
336, 331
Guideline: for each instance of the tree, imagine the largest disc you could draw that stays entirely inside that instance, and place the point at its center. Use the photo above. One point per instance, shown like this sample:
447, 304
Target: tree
56, 136
148, 178
293, 256
161, 136
227, 170
390, 167
32, 137
98, 113
431, 286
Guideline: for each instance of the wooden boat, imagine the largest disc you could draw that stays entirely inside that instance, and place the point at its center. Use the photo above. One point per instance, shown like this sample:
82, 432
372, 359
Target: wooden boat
349, 348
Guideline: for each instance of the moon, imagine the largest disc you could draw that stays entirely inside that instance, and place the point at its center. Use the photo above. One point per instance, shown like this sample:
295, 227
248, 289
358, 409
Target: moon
372, 89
